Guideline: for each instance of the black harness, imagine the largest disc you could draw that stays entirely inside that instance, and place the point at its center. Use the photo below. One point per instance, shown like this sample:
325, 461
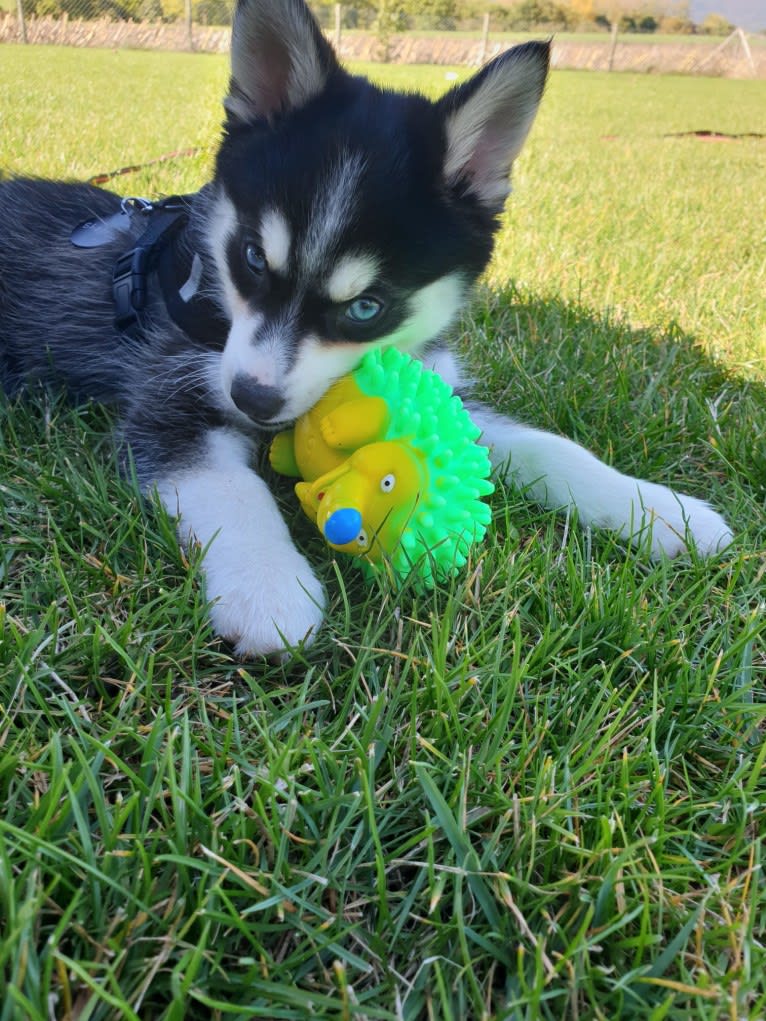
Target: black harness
159, 250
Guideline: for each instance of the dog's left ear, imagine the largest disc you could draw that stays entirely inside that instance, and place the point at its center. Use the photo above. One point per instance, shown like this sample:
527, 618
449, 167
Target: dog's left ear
279, 60
487, 119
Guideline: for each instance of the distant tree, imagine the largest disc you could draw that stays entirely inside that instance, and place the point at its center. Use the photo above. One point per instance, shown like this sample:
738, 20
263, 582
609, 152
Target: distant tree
502, 17
629, 15
612, 12
145, 10
440, 14
532, 14
361, 14
647, 23
211, 12
676, 24
716, 24
87, 10
583, 13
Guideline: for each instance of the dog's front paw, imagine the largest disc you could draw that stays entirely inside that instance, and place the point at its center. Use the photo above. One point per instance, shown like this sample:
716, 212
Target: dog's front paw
267, 606
678, 521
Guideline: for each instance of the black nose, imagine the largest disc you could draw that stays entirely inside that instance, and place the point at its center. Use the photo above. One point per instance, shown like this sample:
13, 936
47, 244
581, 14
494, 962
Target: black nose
258, 402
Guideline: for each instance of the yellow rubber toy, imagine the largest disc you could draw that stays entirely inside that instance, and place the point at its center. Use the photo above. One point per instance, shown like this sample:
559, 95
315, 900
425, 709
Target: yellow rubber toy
391, 468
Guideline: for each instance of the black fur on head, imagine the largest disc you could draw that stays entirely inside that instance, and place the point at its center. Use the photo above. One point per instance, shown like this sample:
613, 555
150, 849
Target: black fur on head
432, 177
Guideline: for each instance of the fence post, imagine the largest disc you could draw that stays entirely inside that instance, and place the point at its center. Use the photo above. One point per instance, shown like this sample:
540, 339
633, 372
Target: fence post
384, 32
22, 22
484, 38
338, 19
746, 49
188, 16
613, 45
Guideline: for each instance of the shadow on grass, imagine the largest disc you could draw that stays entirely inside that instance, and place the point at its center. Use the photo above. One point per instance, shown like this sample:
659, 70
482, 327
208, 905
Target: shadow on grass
651, 402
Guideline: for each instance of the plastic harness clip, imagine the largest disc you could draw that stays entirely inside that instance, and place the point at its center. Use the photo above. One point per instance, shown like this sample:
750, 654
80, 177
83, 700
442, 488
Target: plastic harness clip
130, 279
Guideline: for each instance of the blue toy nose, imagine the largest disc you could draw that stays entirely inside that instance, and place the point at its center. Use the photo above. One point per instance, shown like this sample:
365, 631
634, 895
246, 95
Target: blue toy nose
342, 526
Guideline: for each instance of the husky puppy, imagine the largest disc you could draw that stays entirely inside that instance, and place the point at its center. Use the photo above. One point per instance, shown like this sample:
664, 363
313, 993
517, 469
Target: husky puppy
341, 217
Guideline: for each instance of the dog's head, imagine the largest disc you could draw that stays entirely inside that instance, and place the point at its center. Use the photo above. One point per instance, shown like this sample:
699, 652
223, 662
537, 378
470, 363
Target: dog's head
347, 216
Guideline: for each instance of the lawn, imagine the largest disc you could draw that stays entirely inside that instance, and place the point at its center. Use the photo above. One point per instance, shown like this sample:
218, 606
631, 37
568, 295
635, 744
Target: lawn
535, 793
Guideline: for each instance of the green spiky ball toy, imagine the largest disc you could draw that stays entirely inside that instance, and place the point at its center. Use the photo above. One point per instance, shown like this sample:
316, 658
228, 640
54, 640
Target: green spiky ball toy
391, 467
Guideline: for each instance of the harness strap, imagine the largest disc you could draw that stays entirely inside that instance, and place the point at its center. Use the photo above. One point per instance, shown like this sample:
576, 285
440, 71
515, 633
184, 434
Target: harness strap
160, 250
183, 281
130, 280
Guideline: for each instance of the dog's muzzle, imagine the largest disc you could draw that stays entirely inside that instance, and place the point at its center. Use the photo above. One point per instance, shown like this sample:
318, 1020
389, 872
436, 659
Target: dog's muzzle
261, 403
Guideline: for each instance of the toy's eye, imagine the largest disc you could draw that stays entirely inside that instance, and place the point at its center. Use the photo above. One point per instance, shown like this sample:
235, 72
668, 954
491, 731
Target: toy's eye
361, 540
364, 309
387, 483
255, 258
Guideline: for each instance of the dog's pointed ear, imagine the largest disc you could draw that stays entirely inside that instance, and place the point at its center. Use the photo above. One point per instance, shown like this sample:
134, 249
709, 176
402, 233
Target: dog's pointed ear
487, 119
279, 60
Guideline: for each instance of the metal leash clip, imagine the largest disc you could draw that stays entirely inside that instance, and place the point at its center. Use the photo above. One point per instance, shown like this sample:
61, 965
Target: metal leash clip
134, 204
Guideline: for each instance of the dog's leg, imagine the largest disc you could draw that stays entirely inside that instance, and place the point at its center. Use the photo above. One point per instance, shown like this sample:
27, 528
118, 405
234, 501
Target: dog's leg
263, 594
559, 473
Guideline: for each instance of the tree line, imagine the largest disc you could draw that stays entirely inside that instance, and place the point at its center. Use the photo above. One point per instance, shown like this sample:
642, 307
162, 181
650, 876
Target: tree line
386, 16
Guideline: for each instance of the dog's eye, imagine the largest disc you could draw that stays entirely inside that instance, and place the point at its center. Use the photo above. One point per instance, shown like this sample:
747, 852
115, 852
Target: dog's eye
387, 483
255, 258
364, 309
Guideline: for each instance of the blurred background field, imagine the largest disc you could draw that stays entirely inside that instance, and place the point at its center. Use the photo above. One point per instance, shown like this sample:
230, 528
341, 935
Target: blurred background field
665, 36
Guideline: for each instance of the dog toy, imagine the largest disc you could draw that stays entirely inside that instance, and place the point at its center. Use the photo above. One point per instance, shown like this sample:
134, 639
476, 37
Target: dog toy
391, 468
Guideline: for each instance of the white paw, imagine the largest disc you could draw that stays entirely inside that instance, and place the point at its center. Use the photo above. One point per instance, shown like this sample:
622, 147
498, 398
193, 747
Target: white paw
264, 596
676, 522
264, 604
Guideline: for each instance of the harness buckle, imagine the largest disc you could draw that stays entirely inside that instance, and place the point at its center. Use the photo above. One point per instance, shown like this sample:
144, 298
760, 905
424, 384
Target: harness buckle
129, 288
130, 278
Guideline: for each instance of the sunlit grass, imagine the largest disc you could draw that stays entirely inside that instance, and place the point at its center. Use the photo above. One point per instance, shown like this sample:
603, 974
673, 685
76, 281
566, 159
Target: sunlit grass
537, 793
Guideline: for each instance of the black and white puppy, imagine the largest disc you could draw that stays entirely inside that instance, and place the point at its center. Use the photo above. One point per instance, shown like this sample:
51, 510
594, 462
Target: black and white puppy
341, 217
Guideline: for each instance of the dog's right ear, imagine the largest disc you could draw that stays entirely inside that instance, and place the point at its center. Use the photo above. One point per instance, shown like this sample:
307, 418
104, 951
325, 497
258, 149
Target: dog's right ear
487, 119
279, 60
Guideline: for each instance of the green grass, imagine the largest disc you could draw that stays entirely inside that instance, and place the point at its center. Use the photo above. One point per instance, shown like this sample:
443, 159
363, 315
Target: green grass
536, 794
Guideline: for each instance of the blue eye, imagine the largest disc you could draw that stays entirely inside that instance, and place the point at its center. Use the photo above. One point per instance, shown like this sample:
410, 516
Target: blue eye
255, 258
364, 310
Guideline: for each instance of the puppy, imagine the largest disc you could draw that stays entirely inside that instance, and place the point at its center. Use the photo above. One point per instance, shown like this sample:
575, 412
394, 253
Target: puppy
340, 217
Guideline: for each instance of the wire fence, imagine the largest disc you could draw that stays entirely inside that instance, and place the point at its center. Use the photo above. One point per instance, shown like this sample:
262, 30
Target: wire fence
404, 31
378, 16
